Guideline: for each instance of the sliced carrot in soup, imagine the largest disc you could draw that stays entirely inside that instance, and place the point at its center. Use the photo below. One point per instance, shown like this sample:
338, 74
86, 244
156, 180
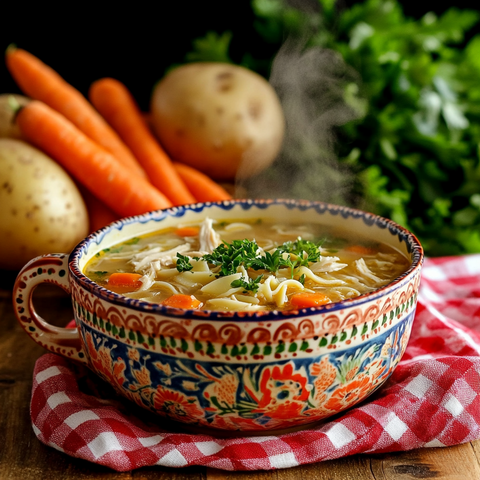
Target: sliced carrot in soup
306, 300
187, 231
123, 280
182, 301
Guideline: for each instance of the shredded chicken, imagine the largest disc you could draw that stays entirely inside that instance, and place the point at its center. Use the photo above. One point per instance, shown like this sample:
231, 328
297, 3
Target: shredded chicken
155, 255
327, 264
209, 239
363, 270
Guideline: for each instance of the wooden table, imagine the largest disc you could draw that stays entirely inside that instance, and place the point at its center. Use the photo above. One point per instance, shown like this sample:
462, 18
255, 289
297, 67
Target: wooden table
24, 457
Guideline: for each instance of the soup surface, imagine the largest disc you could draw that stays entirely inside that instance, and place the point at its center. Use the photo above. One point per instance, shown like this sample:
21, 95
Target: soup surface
240, 266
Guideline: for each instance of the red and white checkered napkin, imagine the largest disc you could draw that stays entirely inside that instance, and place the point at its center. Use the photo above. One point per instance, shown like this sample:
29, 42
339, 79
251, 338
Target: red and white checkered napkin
431, 400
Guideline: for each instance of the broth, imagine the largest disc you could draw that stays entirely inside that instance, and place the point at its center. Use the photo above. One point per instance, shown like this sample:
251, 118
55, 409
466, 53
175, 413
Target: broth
246, 266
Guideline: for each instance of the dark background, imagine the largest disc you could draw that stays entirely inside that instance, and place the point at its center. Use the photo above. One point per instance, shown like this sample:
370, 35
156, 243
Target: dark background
134, 44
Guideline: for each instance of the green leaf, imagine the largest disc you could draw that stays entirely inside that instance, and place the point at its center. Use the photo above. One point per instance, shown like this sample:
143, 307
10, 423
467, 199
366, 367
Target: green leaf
251, 286
472, 52
98, 276
468, 216
230, 256
455, 22
469, 240
133, 241
213, 47
183, 263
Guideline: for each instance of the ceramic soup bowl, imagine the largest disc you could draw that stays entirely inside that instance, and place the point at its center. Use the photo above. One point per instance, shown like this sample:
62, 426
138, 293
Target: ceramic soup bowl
256, 372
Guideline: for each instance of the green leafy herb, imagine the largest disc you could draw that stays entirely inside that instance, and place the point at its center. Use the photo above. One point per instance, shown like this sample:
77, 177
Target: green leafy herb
183, 263
229, 256
307, 252
270, 261
251, 286
98, 275
211, 48
132, 241
112, 250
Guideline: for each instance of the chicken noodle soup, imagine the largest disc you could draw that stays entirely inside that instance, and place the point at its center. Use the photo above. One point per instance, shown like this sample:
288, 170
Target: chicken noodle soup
246, 266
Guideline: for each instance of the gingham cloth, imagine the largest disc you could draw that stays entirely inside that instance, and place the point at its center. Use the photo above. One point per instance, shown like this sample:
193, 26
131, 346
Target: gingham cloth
431, 400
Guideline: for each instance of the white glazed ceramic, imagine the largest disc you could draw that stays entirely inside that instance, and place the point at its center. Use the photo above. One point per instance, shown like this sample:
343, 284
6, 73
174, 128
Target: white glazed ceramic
256, 372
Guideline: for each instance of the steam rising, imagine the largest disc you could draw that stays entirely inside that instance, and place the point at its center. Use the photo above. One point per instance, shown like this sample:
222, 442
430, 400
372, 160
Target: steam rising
313, 86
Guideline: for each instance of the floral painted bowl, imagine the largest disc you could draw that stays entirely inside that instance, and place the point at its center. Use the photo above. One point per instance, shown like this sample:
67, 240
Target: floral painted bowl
231, 372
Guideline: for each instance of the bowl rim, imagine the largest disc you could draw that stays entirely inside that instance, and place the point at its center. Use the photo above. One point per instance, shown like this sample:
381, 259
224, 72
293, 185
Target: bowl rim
413, 245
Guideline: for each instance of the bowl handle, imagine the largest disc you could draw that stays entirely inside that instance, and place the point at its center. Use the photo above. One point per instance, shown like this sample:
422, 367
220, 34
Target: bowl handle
53, 269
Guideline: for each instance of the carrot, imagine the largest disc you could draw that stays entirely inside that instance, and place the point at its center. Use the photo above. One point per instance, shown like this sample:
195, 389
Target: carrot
306, 300
40, 82
187, 231
100, 215
93, 167
362, 250
202, 187
113, 100
182, 301
122, 279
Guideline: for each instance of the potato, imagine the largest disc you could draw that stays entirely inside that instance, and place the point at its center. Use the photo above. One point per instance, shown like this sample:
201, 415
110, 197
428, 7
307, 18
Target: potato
219, 118
41, 209
8, 127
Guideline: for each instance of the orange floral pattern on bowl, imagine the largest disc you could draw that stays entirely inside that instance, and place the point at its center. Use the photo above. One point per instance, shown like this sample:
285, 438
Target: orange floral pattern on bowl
248, 397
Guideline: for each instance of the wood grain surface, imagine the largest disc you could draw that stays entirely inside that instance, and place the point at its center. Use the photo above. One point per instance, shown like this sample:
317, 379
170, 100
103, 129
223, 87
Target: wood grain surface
23, 457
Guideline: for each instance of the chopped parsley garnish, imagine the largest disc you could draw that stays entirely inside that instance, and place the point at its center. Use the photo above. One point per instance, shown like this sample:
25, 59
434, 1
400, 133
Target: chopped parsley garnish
183, 263
270, 262
230, 256
132, 241
112, 250
251, 286
306, 251
98, 275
